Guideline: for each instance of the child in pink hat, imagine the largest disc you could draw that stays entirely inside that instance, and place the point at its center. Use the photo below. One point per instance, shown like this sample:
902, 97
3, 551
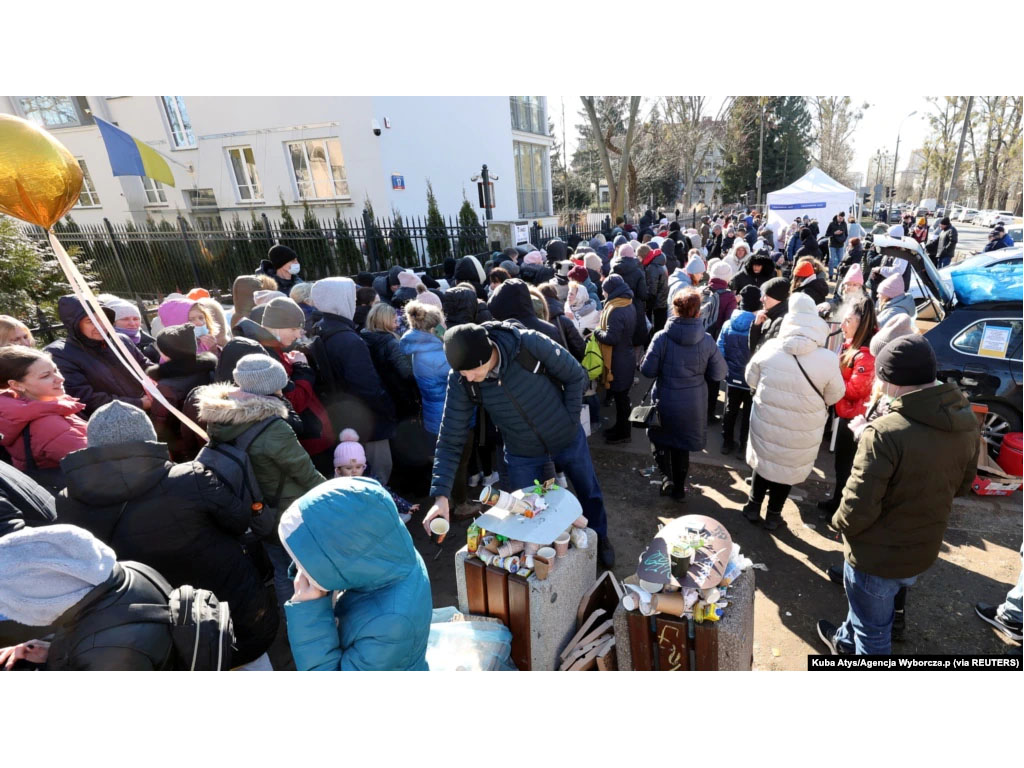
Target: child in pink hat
350, 461
852, 284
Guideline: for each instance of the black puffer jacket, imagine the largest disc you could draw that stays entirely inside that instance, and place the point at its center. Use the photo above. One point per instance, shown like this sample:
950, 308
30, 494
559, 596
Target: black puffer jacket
90, 369
656, 274
175, 379
536, 274
23, 502
395, 371
633, 274
177, 518
512, 301
817, 289
137, 647
747, 276
808, 245
568, 335
461, 305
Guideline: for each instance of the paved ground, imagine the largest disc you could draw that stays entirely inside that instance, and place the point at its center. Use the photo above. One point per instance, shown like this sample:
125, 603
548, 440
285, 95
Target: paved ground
979, 560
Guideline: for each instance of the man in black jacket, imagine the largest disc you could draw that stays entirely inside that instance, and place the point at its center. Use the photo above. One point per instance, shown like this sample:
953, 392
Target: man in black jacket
837, 232
768, 321
536, 410
947, 241
282, 264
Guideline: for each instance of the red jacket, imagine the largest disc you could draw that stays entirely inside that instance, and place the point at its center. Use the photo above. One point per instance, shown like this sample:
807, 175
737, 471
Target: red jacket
303, 398
859, 380
55, 429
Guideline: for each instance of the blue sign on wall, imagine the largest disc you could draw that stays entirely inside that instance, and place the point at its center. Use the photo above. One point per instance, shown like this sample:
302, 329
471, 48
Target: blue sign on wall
398, 182
796, 206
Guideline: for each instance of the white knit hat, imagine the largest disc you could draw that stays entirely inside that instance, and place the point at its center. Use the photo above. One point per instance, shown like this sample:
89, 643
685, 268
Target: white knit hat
721, 270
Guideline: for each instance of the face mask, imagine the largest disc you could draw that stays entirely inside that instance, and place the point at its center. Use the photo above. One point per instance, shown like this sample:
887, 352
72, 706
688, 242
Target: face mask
294, 269
200, 330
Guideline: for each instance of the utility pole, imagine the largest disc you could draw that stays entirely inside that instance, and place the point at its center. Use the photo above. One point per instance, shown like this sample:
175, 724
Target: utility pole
959, 154
565, 163
760, 153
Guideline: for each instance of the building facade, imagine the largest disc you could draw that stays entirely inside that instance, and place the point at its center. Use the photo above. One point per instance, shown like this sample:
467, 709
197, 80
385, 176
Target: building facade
243, 156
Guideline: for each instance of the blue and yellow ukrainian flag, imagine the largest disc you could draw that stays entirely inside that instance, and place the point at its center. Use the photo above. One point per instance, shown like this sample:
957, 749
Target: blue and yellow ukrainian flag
130, 157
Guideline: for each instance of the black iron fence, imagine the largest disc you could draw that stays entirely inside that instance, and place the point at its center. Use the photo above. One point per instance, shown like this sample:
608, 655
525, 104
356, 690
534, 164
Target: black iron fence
159, 258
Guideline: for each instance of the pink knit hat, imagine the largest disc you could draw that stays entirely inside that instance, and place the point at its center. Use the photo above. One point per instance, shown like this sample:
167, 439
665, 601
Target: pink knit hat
174, 312
408, 279
349, 450
626, 252
853, 276
429, 298
533, 257
891, 287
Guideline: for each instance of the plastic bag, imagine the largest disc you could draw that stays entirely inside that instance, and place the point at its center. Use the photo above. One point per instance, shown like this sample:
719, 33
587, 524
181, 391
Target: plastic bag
469, 646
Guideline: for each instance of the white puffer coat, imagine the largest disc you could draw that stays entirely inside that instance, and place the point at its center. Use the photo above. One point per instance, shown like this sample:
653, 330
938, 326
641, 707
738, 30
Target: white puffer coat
788, 416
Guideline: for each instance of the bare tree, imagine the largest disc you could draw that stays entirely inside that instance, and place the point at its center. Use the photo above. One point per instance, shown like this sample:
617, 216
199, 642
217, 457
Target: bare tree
694, 136
616, 182
833, 120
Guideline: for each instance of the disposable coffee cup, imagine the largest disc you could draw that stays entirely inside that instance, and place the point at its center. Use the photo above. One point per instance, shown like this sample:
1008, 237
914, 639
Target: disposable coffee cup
669, 602
440, 527
542, 566
547, 553
562, 545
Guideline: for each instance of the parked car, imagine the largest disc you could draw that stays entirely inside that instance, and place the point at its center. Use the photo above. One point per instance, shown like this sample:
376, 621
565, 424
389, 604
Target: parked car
978, 347
1002, 217
1015, 234
967, 215
940, 211
955, 211
1001, 259
921, 212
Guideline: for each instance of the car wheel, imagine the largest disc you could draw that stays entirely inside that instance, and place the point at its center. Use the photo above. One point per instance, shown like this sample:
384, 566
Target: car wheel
999, 421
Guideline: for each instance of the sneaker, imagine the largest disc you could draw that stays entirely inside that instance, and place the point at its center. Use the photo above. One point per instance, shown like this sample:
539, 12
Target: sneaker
990, 613
474, 480
667, 487
827, 632
899, 626
561, 481
835, 574
491, 479
728, 446
605, 553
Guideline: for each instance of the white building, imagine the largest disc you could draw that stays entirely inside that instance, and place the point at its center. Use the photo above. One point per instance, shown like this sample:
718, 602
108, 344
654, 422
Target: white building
238, 156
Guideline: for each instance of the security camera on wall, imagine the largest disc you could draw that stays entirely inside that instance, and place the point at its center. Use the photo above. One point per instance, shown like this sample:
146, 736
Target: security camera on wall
376, 127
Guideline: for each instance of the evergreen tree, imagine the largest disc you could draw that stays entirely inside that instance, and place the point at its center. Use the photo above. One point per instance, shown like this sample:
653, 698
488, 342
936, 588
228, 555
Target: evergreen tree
472, 236
348, 250
403, 252
439, 247
375, 236
31, 276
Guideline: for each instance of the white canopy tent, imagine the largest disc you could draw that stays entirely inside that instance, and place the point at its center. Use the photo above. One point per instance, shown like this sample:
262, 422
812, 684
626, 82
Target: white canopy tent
815, 194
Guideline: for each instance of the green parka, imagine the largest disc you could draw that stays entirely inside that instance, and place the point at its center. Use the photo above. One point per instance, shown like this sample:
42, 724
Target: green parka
909, 465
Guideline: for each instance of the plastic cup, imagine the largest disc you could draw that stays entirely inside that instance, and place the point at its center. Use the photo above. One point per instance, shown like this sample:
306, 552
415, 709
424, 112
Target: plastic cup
439, 527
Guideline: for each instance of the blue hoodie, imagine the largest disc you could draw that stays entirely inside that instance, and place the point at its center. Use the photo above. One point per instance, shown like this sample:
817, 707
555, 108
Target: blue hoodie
430, 367
347, 536
733, 344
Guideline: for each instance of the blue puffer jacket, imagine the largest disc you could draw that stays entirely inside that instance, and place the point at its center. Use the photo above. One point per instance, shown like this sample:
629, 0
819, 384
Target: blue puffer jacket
683, 357
430, 367
553, 413
347, 536
734, 344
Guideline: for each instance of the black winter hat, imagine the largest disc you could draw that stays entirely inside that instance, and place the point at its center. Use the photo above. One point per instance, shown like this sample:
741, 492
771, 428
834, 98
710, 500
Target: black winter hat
750, 298
365, 279
279, 255
945, 220
776, 288
907, 361
467, 346
178, 342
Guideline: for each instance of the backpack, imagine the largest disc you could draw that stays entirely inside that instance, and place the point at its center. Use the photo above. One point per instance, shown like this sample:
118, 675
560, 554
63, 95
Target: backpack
229, 461
201, 628
710, 305
593, 360
525, 358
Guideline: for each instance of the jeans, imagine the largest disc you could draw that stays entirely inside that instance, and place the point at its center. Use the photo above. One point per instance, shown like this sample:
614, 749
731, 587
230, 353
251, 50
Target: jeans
1010, 609
835, 255
280, 559
867, 630
736, 399
776, 492
579, 470
943, 262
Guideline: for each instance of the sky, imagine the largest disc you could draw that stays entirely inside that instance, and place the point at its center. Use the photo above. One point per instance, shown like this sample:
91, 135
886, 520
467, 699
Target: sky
877, 130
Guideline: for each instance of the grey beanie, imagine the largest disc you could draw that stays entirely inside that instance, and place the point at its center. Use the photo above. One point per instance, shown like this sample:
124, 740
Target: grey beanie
511, 267
117, 423
260, 375
283, 313
898, 326
46, 571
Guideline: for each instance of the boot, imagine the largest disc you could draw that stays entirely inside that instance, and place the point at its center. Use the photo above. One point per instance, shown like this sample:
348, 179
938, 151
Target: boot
899, 626
667, 486
773, 520
752, 512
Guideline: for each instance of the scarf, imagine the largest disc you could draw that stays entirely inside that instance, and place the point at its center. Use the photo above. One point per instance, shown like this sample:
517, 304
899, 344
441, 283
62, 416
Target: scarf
606, 349
651, 257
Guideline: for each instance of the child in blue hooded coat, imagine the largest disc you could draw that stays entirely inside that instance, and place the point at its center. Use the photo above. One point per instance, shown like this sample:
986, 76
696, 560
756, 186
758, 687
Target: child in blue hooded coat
345, 536
734, 346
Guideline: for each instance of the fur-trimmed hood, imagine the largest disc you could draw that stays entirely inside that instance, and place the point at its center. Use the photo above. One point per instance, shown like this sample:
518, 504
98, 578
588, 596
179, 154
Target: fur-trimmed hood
227, 404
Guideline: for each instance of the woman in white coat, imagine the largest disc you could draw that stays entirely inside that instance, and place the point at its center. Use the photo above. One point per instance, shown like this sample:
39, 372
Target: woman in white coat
794, 380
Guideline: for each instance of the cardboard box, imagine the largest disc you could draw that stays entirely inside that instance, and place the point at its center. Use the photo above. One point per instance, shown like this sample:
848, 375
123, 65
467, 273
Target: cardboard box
991, 480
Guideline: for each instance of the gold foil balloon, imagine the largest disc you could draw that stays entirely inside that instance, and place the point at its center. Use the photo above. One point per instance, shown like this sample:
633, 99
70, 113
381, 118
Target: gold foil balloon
39, 178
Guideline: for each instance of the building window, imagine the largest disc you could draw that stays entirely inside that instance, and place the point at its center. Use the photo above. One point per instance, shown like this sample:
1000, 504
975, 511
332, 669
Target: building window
200, 198
156, 194
247, 180
528, 114
531, 180
87, 198
51, 111
318, 168
177, 118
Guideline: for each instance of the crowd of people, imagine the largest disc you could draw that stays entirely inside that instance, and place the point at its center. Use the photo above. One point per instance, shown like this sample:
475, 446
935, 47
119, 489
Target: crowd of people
324, 397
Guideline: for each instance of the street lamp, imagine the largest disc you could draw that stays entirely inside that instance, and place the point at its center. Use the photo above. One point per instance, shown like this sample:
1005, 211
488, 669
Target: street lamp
486, 189
896, 157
